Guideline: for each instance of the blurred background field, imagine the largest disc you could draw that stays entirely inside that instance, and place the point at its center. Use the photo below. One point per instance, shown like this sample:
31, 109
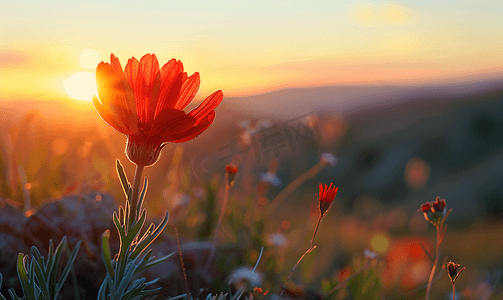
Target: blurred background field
393, 147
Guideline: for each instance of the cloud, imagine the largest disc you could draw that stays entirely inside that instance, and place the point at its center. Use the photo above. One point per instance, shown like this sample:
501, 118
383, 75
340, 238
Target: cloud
387, 14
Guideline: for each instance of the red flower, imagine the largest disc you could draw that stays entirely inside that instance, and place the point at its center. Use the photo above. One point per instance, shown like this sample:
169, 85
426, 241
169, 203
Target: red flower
438, 205
232, 169
425, 207
231, 173
147, 104
326, 196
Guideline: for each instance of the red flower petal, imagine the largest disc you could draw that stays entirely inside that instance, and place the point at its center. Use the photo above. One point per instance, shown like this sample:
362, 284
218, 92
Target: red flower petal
188, 91
208, 105
110, 118
171, 122
147, 87
115, 94
130, 100
196, 130
425, 207
327, 194
171, 83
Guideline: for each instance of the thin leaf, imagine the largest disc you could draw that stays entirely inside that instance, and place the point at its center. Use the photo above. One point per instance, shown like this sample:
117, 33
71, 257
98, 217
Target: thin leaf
13, 295
66, 270
44, 283
152, 281
103, 289
105, 253
32, 277
23, 277
137, 226
50, 260
154, 262
126, 277
144, 260
36, 254
145, 243
122, 216
142, 196
123, 178
57, 256
120, 229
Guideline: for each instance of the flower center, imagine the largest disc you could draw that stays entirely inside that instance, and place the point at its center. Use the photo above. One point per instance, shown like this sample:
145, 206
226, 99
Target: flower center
144, 128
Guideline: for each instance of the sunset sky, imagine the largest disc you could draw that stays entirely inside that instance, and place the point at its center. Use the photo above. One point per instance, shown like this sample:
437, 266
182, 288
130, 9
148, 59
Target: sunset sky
251, 47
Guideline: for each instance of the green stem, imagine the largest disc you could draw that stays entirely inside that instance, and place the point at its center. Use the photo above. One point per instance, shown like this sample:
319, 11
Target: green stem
430, 280
134, 197
124, 249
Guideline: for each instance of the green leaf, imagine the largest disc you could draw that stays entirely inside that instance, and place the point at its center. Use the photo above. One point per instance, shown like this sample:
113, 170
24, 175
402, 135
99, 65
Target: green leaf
42, 280
50, 260
122, 216
105, 253
142, 196
154, 262
1, 279
57, 256
66, 270
144, 261
137, 226
36, 254
102, 293
123, 178
146, 242
120, 229
23, 278
128, 274
13, 295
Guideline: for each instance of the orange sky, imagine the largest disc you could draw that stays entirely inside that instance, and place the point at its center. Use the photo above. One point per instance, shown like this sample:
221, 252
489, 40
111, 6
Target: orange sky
247, 49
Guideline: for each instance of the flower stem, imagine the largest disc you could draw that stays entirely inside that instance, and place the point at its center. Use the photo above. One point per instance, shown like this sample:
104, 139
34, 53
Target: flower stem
315, 230
134, 197
453, 292
311, 248
219, 223
430, 280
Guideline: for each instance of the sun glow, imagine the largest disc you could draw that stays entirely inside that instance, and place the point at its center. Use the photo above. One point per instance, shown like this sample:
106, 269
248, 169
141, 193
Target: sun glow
82, 85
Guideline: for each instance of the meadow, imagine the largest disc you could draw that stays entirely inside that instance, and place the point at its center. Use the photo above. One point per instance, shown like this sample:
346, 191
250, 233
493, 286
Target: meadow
61, 181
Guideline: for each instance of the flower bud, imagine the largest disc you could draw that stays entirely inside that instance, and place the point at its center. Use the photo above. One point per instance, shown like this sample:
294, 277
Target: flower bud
142, 152
231, 171
452, 271
434, 211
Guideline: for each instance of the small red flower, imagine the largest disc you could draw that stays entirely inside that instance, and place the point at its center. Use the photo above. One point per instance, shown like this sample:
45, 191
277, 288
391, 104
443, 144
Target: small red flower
433, 211
147, 104
326, 196
232, 169
425, 207
438, 205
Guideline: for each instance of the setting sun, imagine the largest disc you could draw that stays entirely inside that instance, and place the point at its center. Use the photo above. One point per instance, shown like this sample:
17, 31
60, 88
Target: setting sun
81, 86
